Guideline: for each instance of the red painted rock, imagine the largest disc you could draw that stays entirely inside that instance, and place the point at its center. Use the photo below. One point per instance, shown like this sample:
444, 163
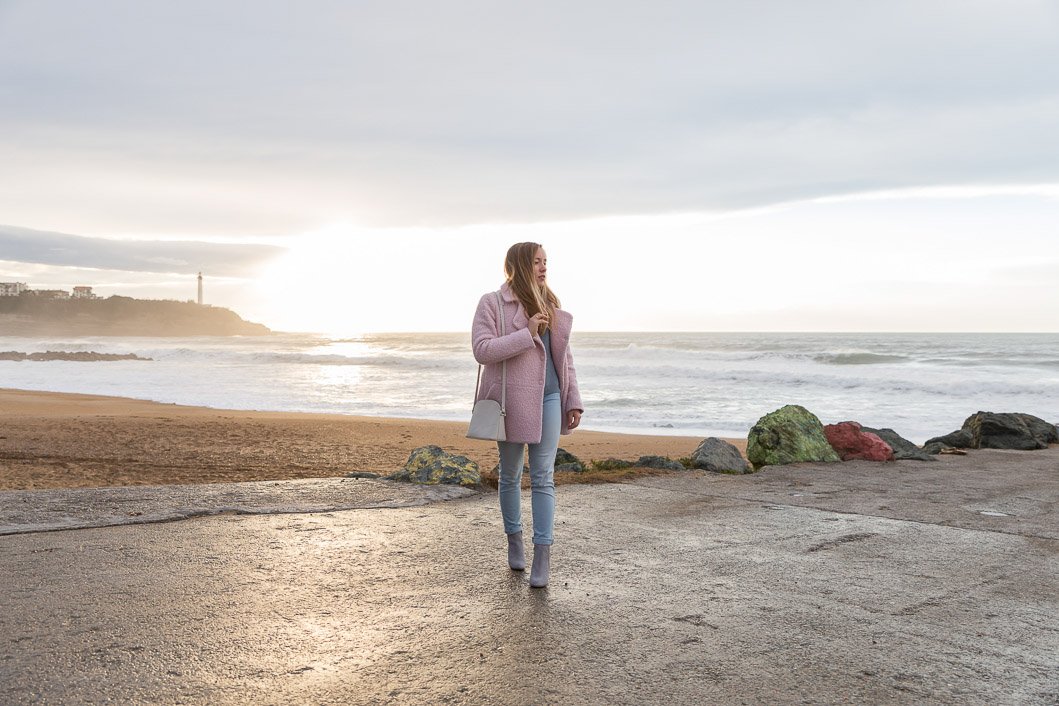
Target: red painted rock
847, 439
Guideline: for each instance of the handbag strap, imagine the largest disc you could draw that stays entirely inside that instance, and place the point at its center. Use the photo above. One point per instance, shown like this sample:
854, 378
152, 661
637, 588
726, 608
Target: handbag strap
503, 376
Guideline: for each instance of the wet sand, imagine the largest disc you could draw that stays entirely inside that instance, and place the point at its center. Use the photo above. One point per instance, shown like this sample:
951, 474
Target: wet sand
59, 440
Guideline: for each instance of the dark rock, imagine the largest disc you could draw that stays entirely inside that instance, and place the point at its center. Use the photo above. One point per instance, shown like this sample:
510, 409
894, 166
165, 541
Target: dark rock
1043, 431
661, 462
566, 461
998, 430
1009, 430
854, 444
362, 474
959, 439
718, 455
429, 465
904, 450
791, 434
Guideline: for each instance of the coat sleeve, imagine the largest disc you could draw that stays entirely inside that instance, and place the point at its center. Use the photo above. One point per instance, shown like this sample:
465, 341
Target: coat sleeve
488, 345
573, 400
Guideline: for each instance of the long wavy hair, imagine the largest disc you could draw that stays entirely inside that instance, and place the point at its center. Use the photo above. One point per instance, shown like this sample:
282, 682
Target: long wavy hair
518, 266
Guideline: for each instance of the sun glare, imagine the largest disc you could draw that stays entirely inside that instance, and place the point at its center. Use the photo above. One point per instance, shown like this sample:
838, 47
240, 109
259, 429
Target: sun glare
794, 267
344, 281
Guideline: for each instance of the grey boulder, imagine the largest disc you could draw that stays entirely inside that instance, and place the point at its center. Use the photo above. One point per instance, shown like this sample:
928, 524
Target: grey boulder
998, 430
718, 455
1010, 430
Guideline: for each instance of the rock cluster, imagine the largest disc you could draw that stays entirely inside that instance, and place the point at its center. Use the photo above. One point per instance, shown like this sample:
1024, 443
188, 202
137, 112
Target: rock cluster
429, 465
792, 434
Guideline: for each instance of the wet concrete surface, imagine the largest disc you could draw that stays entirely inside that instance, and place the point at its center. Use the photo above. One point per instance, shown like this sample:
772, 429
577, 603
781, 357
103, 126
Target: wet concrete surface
79, 508
810, 584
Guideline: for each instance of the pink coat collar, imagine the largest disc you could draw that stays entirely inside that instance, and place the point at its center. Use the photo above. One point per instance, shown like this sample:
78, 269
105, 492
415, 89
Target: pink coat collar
560, 327
507, 293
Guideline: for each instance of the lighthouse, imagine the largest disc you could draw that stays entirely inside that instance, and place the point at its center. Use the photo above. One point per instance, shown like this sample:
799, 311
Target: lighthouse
200, 289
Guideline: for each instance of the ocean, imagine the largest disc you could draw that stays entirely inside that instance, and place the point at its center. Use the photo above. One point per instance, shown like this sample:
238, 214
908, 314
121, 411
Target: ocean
697, 384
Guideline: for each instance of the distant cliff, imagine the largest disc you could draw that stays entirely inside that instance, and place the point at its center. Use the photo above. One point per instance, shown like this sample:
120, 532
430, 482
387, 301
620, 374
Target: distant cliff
119, 316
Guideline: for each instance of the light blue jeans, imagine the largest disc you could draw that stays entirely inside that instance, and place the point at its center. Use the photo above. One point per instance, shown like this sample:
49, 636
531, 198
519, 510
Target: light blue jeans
542, 469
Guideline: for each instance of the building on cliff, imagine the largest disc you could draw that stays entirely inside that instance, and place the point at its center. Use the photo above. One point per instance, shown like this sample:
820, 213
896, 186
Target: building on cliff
17, 289
12, 289
49, 293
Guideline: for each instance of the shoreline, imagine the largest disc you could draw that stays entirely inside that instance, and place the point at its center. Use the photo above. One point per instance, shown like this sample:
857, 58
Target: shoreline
73, 440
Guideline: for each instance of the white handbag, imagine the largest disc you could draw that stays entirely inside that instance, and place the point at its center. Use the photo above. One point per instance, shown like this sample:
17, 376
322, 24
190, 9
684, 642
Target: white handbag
487, 416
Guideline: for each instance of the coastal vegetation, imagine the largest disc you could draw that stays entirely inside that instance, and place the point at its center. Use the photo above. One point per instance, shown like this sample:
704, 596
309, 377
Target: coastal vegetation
119, 316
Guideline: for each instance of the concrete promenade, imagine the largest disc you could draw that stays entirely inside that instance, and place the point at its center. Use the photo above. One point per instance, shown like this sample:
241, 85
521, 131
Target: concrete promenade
854, 583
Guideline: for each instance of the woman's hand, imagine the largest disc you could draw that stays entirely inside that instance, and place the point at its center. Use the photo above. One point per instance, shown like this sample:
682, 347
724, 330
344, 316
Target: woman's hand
573, 418
536, 321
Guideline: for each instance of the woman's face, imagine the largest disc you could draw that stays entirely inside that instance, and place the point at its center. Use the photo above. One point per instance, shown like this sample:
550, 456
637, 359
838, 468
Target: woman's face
540, 266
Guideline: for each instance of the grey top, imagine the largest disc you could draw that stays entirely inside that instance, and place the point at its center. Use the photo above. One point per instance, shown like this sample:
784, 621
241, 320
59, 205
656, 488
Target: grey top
551, 378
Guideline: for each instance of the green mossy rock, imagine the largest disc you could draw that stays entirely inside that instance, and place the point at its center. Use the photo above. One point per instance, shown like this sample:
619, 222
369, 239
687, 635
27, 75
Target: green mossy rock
429, 465
791, 434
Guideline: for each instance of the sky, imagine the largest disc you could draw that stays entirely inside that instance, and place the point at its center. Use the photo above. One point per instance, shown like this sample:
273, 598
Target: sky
357, 167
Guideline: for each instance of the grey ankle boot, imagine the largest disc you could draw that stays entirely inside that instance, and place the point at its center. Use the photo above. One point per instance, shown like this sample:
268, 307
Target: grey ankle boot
516, 555
542, 558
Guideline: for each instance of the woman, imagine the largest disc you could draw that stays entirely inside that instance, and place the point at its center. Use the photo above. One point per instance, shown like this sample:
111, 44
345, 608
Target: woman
542, 397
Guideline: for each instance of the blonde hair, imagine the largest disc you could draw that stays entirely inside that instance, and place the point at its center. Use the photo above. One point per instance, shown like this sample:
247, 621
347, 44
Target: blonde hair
518, 266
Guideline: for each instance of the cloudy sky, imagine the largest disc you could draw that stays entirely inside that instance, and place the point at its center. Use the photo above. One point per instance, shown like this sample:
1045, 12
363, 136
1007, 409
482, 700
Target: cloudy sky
763, 165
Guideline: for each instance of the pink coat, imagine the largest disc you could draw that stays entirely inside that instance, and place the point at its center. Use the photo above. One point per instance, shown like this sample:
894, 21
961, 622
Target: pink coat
524, 352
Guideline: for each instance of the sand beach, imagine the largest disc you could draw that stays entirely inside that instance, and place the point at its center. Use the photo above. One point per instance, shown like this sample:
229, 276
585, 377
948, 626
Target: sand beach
57, 440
